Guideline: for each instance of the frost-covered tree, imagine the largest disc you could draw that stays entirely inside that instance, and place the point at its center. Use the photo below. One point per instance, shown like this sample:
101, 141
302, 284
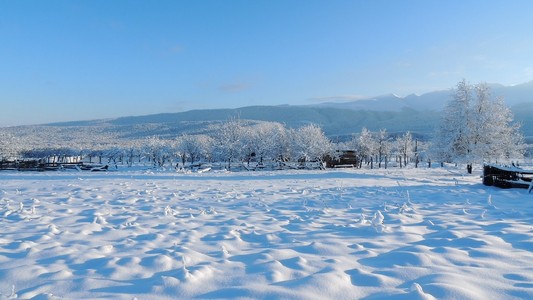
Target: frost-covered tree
115, 154
279, 148
249, 142
452, 141
494, 134
268, 141
477, 127
405, 146
158, 151
228, 141
192, 148
309, 143
132, 151
384, 146
366, 145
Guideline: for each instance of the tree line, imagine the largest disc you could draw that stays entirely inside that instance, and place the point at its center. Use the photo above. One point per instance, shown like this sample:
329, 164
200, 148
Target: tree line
233, 143
475, 128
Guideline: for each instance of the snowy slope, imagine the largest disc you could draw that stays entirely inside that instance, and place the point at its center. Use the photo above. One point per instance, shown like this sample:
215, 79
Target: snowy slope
350, 234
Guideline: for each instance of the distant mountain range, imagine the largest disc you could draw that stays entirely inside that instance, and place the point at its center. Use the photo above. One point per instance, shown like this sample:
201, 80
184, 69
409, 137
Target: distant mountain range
434, 101
419, 114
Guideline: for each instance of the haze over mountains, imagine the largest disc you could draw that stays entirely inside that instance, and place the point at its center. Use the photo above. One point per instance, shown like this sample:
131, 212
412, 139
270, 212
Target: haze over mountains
419, 114
436, 100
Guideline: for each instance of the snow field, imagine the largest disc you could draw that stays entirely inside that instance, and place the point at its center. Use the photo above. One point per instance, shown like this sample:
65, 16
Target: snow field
336, 234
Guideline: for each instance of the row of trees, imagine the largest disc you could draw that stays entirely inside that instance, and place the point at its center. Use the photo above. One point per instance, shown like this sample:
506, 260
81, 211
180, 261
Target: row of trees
380, 148
233, 142
475, 128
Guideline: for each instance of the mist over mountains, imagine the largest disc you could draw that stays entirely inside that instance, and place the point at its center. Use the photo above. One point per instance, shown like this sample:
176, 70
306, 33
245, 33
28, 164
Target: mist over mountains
419, 114
434, 101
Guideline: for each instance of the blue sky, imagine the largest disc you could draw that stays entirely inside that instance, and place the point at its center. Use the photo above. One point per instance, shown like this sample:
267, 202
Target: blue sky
77, 60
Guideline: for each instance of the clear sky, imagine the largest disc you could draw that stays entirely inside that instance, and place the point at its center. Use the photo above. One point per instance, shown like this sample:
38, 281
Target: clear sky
78, 60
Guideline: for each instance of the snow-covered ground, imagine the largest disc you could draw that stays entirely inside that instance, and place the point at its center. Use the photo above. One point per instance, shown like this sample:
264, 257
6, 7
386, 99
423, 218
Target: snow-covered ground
335, 234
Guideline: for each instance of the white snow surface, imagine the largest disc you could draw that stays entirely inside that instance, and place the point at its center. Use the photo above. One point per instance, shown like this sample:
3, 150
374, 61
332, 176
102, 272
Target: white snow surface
334, 234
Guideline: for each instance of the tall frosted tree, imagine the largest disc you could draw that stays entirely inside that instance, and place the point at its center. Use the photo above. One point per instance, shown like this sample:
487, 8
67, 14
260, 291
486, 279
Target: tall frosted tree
228, 144
192, 147
452, 141
405, 146
309, 143
158, 150
504, 140
270, 141
476, 128
366, 144
383, 147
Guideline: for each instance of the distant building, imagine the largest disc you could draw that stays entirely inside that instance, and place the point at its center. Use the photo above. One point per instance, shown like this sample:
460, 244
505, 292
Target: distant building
343, 159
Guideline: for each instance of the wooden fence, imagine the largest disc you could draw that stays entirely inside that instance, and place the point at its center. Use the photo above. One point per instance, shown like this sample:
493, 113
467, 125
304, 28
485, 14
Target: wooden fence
42, 165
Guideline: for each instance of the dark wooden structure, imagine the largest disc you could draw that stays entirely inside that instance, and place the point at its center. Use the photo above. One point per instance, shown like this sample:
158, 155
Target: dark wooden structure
507, 177
8, 165
342, 159
42, 165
